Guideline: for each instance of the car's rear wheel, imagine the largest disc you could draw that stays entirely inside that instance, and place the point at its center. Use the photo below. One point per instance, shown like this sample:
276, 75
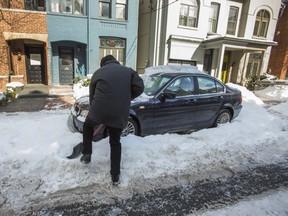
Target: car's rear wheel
131, 128
222, 118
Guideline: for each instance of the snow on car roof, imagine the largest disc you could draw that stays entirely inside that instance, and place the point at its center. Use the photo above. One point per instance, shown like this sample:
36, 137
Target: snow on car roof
171, 69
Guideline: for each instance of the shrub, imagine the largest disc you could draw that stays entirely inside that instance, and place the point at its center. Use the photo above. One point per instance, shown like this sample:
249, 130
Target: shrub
84, 81
7, 96
251, 83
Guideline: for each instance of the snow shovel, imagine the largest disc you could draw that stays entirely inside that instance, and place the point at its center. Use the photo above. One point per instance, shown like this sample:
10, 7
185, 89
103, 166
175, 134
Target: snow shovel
77, 150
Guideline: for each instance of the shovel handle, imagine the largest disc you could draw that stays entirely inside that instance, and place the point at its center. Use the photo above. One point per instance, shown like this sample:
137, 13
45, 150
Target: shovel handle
96, 131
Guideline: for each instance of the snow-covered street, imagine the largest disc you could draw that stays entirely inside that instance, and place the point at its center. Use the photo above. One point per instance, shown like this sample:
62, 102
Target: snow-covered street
35, 173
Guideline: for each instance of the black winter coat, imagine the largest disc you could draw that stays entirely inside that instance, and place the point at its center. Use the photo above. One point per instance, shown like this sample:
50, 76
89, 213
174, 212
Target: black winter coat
112, 88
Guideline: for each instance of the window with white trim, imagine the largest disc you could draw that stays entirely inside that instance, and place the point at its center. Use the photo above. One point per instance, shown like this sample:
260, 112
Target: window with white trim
261, 24
254, 64
232, 21
189, 14
213, 19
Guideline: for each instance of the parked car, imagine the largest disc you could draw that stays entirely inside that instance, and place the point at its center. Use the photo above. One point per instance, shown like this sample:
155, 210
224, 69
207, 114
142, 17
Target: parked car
175, 99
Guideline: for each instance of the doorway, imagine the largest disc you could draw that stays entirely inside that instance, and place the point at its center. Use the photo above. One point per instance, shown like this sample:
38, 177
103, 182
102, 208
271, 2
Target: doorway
35, 65
225, 67
66, 65
208, 57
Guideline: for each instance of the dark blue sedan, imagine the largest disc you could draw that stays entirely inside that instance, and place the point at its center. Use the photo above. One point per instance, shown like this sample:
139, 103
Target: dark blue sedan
175, 99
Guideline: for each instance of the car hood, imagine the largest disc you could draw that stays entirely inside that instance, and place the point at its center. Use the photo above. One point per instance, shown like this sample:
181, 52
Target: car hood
83, 102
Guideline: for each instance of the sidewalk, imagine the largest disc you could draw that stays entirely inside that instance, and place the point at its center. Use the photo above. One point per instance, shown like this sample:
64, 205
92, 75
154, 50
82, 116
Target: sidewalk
38, 97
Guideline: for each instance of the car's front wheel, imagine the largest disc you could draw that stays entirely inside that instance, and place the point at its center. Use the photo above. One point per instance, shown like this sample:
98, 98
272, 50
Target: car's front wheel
222, 118
131, 128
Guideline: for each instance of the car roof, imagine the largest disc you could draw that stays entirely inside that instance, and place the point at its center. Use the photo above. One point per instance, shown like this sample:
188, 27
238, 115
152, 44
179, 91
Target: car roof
172, 69
173, 74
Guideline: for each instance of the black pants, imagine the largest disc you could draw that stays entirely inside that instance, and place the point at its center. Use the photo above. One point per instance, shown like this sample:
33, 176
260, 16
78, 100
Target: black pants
114, 140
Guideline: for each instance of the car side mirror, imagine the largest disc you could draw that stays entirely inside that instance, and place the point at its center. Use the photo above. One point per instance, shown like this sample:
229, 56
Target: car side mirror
163, 96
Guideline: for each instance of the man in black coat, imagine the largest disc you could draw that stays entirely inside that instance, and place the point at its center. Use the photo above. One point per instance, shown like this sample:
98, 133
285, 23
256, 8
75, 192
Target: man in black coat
112, 88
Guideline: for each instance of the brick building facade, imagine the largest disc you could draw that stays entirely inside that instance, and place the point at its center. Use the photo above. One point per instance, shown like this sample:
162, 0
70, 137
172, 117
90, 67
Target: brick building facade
80, 33
278, 64
23, 44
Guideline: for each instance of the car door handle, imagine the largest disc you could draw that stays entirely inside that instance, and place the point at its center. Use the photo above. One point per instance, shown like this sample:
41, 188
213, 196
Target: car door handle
193, 100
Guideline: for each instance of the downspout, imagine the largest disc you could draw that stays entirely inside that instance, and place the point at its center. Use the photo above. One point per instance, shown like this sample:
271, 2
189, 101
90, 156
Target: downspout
10, 73
49, 52
158, 21
148, 61
88, 40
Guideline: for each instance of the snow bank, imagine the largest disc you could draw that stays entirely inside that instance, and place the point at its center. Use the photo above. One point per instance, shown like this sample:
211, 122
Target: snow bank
34, 146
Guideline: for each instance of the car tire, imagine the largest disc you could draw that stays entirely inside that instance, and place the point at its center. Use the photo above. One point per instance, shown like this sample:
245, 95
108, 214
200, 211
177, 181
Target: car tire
223, 117
131, 128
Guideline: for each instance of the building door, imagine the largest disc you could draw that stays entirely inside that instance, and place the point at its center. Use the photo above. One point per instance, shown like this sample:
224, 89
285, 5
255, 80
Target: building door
35, 65
225, 68
66, 65
208, 56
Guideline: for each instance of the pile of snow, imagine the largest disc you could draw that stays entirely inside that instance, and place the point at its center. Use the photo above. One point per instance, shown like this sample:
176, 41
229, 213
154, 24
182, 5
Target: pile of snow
2, 96
171, 68
277, 92
80, 90
34, 146
15, 85
268, 77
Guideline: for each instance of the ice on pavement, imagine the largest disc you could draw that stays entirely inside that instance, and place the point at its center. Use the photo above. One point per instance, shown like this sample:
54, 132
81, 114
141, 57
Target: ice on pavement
34, 146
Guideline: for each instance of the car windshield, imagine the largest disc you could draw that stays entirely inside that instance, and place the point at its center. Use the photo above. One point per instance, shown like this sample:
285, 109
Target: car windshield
154, 82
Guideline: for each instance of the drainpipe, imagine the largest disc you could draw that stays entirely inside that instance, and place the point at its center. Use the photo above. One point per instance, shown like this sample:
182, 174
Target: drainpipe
156, 39
10, 63
88, 39
148, 60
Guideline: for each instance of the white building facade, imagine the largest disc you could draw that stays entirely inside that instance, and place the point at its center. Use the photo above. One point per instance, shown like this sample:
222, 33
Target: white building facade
229, 39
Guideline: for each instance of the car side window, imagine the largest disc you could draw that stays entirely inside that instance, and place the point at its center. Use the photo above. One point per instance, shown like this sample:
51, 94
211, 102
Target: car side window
206, 85
220, 87
182, 86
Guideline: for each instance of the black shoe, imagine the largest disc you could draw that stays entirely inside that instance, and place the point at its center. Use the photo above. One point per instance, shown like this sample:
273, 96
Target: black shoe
86, 158
115, 179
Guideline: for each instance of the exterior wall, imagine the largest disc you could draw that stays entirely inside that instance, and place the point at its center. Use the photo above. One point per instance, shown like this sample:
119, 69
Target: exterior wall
278, 64
272, 6
146, 34
65, 31
21, 28
84, 31
18, 27
187, 44
254, 7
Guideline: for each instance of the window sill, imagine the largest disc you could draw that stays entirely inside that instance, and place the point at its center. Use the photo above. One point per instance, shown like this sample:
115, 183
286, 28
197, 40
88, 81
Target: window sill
212, 34
67, 14
188, 27
259, 38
